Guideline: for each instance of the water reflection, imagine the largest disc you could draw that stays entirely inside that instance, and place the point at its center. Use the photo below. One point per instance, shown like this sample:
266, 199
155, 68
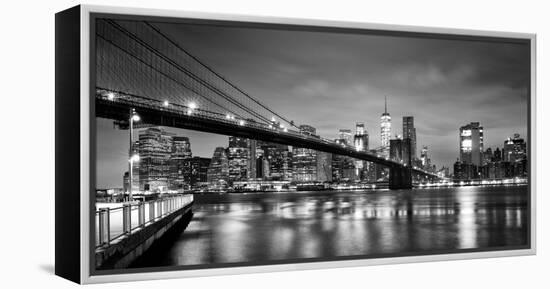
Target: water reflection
262, 227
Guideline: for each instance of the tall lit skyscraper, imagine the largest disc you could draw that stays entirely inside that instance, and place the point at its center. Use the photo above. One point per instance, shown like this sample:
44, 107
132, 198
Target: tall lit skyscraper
304, 161
238, 155
361, 138
409, 131
180, 169
218, 170
155, 151
471, 144
385, 129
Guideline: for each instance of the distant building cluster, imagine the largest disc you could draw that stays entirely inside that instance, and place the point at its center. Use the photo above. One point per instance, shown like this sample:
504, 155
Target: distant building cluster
166, 161
477, 163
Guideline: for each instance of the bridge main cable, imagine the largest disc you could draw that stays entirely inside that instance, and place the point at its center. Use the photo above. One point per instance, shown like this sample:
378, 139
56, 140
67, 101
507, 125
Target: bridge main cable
186, 71
219, 75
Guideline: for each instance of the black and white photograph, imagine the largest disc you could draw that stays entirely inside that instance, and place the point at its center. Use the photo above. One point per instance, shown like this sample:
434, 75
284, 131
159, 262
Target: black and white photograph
221, 144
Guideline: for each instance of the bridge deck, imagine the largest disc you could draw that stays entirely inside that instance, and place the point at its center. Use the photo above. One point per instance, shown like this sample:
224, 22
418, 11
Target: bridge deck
179, 116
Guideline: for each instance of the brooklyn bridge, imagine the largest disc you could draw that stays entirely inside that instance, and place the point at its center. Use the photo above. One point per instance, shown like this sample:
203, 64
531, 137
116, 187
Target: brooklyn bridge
141, 69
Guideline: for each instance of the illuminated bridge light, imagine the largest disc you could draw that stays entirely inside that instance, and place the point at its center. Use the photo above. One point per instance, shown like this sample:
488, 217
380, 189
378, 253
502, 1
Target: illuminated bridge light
166, 103
192, 105
110, 96
134, 158
189, 111
241, 122
285, 129
227, 116
273, 119
135, 117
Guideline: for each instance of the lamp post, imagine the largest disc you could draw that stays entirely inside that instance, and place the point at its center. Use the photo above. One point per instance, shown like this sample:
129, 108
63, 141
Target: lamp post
133, 157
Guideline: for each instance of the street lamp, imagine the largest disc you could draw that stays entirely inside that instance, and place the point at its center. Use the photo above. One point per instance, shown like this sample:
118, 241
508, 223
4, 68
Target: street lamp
134, 158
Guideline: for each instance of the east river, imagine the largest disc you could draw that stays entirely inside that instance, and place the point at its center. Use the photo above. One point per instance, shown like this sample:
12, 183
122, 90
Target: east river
263, 227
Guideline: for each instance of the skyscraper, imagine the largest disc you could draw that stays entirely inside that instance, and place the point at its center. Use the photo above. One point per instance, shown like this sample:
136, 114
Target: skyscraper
304, 160
409, 131
252, 165
345, 135
343, 168
487, 156
385, 130
180, 170
361, 138
238, 156
276, 162
471, 144
198, 170
218, 170
155, 150
515, 149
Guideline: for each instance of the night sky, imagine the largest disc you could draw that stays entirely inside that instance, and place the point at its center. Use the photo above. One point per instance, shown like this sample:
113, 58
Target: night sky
332, 80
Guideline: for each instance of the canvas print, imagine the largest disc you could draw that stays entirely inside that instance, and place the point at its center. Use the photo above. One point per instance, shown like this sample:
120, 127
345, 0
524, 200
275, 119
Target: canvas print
220, 144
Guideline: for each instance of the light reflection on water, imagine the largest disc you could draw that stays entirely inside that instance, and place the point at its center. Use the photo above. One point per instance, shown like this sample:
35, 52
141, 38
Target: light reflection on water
266, 226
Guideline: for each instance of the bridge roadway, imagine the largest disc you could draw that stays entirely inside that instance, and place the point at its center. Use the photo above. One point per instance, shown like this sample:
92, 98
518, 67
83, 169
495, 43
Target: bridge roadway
117, 105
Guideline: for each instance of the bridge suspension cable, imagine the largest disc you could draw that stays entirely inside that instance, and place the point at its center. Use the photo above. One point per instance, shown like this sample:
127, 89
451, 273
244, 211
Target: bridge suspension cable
291, 123
136, 57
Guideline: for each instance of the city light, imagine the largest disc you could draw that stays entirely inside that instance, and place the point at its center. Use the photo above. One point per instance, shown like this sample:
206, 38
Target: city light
241, 122
166, 103
227, 116
273, 119
192, 105
467, 144
189, 111
110, 96
136, 117
466, 132
285, 129
134, 158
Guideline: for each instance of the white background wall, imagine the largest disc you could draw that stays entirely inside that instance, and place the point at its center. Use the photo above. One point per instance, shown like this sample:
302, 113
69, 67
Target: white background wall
27, 143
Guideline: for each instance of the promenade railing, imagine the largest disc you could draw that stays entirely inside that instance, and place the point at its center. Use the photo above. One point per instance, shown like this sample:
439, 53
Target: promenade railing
115, 223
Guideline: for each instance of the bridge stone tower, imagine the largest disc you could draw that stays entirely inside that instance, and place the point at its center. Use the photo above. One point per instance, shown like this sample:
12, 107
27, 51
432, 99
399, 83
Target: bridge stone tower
400, 178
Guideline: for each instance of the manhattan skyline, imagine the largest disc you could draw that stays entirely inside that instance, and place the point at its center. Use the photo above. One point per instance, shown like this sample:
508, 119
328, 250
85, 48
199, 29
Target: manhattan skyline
332, 80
